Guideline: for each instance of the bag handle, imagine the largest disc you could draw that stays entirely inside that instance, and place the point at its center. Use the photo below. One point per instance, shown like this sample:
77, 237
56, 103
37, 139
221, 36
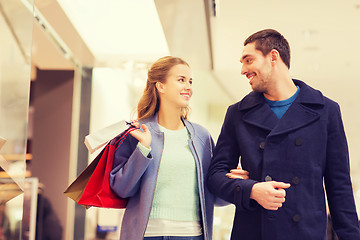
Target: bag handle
123, 136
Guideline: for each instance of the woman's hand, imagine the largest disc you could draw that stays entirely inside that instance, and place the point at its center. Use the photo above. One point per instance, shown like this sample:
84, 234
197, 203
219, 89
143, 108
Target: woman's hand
143, 137
238, 173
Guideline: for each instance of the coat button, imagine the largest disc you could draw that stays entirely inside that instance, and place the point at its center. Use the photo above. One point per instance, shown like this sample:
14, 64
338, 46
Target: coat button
262, 145
298, 142
268, 178
295, 180
238, 188
296, 218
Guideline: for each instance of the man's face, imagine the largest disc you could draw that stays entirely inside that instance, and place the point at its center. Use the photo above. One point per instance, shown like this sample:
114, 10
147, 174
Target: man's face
257, 68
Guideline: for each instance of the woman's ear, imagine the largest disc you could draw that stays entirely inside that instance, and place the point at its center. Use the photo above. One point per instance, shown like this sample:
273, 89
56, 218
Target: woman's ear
160, 87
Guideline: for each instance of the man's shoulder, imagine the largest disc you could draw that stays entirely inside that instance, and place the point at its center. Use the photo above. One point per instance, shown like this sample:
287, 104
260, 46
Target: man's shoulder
250, 100
311, 94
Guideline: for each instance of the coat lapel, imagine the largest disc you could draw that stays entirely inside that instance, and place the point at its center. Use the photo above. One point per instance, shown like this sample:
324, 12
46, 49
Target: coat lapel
304, 110
257, 112
262, 117
296, 117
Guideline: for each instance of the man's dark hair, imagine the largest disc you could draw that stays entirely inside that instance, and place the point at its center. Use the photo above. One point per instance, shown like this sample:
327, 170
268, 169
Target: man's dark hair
269, 39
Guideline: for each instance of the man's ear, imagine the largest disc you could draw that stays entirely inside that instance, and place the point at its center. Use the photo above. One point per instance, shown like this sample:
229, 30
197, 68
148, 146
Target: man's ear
160, 87
274, 55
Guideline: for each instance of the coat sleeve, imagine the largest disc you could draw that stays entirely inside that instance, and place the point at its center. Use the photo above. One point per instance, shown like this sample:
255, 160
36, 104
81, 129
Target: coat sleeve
219, 202
128, 168
226, 157
337, 179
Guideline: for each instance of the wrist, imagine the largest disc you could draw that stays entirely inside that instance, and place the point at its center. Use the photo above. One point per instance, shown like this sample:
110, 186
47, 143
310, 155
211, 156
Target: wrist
145, 144
144, 150
252, 193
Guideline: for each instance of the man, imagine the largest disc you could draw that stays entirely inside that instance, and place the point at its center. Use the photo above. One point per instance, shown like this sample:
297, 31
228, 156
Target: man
291, 140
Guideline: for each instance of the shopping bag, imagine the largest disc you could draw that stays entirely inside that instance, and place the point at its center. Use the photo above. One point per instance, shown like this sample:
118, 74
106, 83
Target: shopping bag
2, 142
91, 188
76, 188
99, 138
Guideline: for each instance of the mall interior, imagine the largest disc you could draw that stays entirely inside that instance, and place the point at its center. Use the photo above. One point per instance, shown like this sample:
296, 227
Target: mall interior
70, 68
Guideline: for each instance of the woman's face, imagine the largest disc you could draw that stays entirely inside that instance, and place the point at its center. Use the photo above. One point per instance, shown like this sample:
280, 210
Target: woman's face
177, 89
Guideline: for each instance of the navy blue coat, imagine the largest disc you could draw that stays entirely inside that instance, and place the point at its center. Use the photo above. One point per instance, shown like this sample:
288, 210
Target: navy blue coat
306, 146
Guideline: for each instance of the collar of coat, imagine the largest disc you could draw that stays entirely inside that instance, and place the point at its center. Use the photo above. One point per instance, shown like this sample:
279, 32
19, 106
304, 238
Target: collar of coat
304, 110
307, 96
152, 122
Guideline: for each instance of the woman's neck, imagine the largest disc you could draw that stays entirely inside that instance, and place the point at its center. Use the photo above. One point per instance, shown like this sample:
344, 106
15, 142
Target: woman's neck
170, 118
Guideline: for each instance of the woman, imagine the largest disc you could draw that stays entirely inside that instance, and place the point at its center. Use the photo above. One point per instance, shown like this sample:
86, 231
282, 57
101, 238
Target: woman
161, 167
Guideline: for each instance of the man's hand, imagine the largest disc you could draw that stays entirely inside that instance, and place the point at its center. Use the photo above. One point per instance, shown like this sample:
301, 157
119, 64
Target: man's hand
270, 195
238, 173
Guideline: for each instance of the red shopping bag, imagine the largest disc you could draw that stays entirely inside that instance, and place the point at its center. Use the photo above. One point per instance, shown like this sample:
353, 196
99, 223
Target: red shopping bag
94, 190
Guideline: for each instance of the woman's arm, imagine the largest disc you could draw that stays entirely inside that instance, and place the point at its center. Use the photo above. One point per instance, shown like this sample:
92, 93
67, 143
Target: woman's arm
130, 163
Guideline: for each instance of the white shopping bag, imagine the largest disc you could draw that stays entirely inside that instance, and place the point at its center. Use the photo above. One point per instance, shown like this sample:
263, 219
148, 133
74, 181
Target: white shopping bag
2, 142
99, 138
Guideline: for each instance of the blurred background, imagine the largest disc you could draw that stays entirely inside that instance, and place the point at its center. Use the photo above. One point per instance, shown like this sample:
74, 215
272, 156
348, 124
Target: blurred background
72, 67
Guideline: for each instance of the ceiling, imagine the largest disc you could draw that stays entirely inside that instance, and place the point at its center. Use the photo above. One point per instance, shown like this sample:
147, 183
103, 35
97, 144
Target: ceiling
118, 30
324, 37
323, 34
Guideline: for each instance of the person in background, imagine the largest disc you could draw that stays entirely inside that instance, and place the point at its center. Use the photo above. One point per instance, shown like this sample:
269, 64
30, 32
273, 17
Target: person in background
162, 166
292, 142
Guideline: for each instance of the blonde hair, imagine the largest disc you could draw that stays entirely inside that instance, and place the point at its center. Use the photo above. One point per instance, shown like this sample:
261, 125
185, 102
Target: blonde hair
149, 103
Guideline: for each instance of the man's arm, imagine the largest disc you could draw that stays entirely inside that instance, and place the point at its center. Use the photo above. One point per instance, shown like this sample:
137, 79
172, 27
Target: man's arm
231, 183
337, 179
270, 195
226, 157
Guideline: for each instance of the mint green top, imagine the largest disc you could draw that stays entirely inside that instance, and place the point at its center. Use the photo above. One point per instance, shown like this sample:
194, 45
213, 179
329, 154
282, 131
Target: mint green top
176, 194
